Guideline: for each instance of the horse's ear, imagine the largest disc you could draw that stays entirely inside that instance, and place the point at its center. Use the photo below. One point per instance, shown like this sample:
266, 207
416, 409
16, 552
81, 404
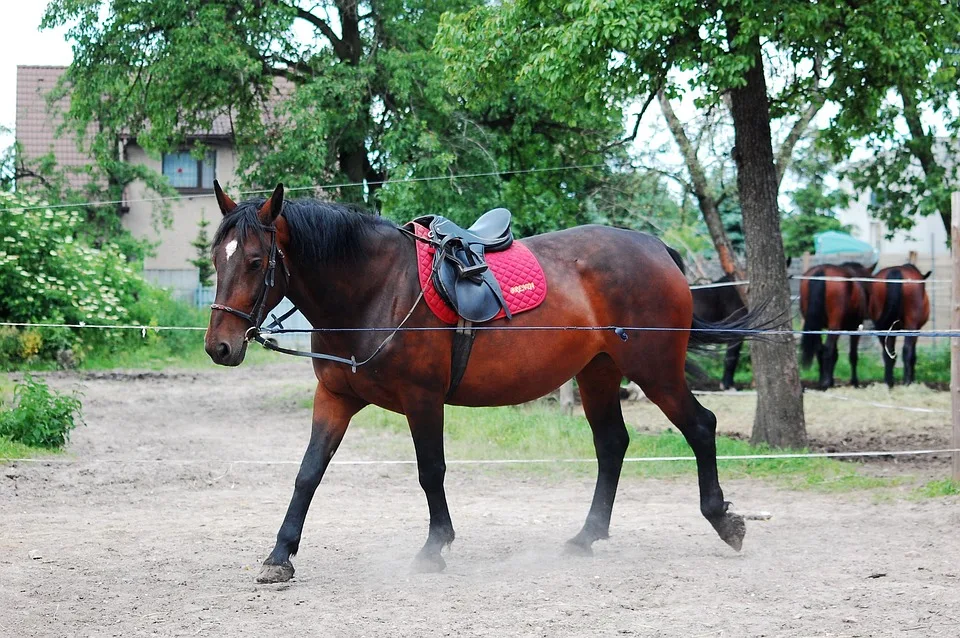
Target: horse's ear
271, 208
870, 269
226, 204
929, 272
789, 261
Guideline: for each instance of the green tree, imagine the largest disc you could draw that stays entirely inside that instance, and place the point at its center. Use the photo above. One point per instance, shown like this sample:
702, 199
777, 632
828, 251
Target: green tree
203, 261
899, 93
358, 100
607, 52
763, 61
815, 203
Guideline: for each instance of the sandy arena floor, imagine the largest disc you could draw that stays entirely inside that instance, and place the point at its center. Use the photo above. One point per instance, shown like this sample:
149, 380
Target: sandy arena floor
103, 547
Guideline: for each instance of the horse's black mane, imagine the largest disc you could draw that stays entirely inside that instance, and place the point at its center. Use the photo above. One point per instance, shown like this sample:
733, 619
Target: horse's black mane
321, 233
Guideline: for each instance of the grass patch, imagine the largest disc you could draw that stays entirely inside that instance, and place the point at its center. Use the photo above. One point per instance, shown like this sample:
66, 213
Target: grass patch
13, 450
535, 432
939, 488
933, 364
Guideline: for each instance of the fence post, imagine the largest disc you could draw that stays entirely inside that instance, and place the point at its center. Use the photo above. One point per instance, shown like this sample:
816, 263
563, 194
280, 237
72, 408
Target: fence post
955, 325
566, 397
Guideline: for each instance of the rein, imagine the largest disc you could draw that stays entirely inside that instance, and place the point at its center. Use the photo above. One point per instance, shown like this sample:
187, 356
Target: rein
255, 316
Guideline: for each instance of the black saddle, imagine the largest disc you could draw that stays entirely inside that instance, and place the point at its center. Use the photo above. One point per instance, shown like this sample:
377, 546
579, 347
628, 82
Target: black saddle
460, 271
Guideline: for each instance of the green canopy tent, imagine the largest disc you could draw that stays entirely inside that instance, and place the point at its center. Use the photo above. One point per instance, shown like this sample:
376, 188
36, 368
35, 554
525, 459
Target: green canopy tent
832, 242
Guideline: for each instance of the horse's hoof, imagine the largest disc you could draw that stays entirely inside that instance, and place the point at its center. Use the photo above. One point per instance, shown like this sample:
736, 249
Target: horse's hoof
275, 573
731, 529
429, 563
574, 547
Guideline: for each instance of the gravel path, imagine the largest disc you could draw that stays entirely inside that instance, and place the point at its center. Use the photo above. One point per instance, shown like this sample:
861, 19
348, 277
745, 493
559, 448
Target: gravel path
103, 547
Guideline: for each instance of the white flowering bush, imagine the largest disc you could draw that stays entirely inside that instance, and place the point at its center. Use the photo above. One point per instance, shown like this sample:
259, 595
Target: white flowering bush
46, 275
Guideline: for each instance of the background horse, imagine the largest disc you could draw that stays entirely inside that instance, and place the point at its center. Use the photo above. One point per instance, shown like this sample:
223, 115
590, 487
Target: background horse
834, 305
899, 306
717, 305
346, 269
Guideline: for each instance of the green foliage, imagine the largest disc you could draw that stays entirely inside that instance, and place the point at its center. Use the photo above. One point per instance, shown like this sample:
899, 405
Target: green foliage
359, 99
900, 73
815, 204
203, 261
49, 274
40, 417
884, 67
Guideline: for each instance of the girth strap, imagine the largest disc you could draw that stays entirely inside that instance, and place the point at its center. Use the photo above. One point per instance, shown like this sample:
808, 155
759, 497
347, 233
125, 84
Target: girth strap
460, 355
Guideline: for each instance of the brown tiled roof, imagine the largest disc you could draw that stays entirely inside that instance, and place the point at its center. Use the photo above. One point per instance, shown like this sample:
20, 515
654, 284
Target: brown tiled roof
37, 122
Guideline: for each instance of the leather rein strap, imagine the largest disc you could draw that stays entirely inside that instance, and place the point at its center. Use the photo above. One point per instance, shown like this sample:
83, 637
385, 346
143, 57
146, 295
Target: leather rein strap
255, 316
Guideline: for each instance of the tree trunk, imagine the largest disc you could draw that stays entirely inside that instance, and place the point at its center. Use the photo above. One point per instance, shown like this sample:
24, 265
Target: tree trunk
779, 417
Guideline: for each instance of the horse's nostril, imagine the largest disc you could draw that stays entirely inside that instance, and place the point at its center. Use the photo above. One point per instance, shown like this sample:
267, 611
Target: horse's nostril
223, 350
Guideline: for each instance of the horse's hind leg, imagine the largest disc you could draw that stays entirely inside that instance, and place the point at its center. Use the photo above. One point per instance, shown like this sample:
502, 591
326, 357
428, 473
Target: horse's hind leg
600, 391
698, 426
909, 359
854, 346
426, 427
888, 345
730, 361
828, 361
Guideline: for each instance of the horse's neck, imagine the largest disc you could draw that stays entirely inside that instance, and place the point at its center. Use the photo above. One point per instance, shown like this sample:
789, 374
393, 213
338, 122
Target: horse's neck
367, 292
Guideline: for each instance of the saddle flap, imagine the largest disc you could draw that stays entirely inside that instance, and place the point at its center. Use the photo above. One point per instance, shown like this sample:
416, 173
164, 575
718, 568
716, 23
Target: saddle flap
476, 299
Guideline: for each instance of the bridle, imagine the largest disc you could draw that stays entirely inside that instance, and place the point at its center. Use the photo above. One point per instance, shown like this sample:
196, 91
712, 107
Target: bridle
256, 316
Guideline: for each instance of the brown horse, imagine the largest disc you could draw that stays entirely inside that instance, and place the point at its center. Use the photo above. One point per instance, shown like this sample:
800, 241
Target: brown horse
832, 305
348, 269
899, 306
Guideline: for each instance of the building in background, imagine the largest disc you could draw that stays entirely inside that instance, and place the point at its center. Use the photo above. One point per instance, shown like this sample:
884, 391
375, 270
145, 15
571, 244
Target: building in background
36, 128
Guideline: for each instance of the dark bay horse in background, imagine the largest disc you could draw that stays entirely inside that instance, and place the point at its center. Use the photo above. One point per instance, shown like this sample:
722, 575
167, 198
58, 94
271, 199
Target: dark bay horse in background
899, 306
833, 305
717, 305
347, 269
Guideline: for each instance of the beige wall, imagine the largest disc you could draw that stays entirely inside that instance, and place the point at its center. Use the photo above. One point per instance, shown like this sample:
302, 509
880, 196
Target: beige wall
174, 250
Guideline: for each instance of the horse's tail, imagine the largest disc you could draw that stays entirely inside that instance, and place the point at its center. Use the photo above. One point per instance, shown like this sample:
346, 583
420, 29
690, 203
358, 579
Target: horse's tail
677, 259
892, 302
814, 320
733, 329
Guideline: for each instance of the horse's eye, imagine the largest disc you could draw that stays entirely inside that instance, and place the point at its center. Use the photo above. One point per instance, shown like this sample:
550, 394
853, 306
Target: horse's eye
255, 264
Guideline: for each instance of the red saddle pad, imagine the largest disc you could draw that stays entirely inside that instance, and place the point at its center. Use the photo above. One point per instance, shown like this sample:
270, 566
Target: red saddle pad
521, 278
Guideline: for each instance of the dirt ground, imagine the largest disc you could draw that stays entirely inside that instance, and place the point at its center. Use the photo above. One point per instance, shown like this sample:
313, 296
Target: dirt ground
107, 547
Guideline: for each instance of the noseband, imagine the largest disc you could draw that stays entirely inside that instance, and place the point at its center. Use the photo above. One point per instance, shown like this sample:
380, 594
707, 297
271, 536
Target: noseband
255, 316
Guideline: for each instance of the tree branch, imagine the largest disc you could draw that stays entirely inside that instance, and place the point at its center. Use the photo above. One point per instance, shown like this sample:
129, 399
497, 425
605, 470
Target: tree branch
701, 190
785, 152
921, 147
341, 49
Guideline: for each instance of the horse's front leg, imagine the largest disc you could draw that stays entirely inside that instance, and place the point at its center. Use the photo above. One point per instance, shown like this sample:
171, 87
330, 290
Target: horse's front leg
331, 415
426, 427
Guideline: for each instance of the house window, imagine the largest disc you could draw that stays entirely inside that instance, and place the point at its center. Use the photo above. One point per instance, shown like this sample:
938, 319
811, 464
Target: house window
187, 172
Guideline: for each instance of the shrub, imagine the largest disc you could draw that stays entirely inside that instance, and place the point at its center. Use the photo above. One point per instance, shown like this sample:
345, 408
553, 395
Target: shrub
40, 417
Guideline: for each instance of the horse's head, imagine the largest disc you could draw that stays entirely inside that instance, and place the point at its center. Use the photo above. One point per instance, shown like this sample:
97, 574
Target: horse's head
248, 256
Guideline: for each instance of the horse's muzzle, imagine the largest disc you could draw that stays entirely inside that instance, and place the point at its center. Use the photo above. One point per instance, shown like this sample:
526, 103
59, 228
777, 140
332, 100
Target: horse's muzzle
225, 354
